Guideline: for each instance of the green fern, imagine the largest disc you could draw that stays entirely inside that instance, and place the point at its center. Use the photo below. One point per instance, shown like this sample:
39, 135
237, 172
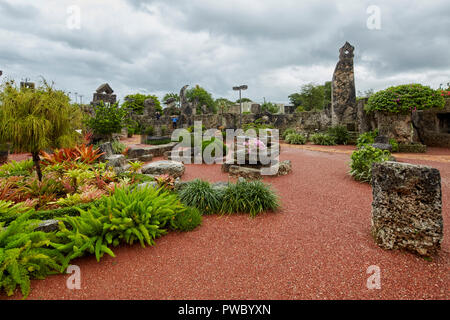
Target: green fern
25, 254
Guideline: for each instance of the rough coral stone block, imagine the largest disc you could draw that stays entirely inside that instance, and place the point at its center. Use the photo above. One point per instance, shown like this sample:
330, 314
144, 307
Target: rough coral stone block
407, 207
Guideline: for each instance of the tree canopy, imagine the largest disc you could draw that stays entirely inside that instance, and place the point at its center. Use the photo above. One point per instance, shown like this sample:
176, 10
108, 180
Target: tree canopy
32, 120
135, 102
312, 97
203, 98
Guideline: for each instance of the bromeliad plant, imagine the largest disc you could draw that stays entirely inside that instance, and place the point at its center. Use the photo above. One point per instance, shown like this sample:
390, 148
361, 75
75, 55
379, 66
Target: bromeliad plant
165, 181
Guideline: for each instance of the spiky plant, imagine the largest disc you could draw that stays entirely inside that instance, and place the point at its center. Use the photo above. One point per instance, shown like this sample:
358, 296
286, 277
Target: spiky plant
36, 119
251, 197
201, 195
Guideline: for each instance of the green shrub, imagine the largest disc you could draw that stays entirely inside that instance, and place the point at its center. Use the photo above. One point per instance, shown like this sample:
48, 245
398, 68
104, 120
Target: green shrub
47, 214
118, 147
340, 134
187, 220
108, 118
362, 160
405, 98
394, 145
366, 138
323, 139
288, 132
201, 195
129, 215
251, 197
150, 131
135, 102
295, 138
25, 255
19, 168
163, 130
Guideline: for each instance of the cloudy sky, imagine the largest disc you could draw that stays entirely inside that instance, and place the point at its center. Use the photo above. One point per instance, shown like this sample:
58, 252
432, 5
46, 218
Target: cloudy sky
273, 46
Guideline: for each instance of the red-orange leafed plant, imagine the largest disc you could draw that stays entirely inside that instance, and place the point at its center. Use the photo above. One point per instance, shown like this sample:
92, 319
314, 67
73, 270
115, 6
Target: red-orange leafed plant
88, 154
59, 156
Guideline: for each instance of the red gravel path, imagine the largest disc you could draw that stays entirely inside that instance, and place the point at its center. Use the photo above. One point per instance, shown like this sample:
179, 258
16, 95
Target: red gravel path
317, 247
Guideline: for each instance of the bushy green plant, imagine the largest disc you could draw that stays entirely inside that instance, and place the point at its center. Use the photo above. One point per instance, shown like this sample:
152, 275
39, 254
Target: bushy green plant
24, 255
187, 220
19, 168
323, 139
135, 102
366, 138
340, 134
251, 197
9, 209
107, 119
270, 107
394, 144
139, 214
295, 138
362, 160
405, 98
287, 132
201, 195
118, 147
202, 97
149, 130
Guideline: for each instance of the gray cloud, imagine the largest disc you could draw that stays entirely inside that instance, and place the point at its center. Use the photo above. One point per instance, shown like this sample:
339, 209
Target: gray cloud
273, 46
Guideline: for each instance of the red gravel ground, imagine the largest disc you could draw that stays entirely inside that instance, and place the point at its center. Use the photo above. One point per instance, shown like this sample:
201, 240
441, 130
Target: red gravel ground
318, 246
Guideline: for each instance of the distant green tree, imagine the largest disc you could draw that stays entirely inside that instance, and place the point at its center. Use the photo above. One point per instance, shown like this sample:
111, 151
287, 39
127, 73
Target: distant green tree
223, 104
108, 119
135, 102
312, 97
270, 107
176, 96
243, 100
203, 97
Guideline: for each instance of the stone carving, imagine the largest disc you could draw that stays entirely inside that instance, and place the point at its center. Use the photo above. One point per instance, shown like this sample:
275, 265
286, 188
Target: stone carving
407, 207
343, 107
104, 93
149, 108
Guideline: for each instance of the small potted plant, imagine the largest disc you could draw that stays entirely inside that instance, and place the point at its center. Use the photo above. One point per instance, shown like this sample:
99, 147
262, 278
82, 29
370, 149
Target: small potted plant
130, 132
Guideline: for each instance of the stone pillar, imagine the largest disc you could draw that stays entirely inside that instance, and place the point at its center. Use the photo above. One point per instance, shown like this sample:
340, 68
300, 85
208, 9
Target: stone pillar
343, 96
407, 207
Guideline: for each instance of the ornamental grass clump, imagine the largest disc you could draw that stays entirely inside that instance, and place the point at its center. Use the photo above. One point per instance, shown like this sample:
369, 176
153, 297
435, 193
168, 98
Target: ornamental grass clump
251, 197
201, 195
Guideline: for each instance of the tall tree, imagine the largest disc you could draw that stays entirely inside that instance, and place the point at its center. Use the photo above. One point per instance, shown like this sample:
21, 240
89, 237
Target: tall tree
135, 102
176, 96
202, 97
35, 119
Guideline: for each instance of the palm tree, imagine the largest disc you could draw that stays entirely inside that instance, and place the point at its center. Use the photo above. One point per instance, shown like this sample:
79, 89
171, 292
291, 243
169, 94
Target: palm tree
35, 119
